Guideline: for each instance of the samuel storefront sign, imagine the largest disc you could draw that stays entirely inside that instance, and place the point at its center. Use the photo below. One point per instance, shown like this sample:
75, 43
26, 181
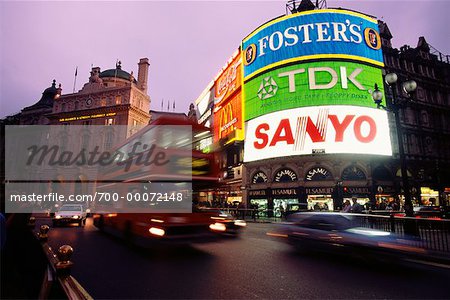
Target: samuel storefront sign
319, 190
310, 84
318, 174
333, 129
285, 175
259, 177
327, 33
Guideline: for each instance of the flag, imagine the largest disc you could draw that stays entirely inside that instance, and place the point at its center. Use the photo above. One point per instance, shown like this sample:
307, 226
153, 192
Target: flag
162, 104
76, 71
173, 105
168, 105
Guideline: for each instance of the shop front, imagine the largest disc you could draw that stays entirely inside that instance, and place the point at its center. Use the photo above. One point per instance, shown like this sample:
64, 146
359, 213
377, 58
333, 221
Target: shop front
259, 199
384, 194
286, 201
429, 196
319, 198
362, 195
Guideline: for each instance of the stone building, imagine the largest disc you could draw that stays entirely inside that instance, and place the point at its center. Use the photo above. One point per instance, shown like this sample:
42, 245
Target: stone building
425, 118
110, 97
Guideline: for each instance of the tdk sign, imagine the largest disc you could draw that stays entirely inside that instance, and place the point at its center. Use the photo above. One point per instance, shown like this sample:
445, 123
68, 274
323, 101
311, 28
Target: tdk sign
311, 35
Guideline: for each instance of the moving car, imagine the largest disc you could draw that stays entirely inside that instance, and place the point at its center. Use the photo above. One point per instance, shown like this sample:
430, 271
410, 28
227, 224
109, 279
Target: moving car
70, 213
340, 233
159, 229
431, 212
233, 226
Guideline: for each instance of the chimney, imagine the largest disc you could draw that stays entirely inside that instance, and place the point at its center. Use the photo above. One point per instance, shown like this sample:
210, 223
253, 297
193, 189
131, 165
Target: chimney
143, 74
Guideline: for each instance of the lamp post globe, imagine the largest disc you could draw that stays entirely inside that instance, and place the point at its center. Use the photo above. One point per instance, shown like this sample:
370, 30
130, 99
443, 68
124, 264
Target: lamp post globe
409, 86
391, 78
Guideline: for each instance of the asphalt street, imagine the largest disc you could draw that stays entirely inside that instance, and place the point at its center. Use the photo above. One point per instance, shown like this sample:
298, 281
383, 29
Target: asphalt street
251, 266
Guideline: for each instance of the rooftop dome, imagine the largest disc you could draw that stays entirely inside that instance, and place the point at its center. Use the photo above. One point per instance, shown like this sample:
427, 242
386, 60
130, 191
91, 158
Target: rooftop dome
117, 72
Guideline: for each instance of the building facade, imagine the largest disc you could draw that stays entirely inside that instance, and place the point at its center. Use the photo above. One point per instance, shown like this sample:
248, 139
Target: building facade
328, 175
425, 118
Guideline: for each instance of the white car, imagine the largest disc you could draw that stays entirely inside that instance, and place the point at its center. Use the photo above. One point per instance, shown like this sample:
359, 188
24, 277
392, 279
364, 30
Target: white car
70, 213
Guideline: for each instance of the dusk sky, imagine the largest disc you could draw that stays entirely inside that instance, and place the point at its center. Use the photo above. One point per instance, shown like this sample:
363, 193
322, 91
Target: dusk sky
187, 43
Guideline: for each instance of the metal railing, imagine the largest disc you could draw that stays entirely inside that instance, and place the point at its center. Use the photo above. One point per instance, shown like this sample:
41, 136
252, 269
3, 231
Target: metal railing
57, 282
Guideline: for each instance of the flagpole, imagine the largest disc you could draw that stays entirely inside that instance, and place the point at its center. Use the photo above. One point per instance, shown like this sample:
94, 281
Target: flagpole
75, 79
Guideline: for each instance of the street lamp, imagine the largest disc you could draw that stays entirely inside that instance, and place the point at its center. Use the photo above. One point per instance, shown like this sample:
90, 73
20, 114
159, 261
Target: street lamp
393, 105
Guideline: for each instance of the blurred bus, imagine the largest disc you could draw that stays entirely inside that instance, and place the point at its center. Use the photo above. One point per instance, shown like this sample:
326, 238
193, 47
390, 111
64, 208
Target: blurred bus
182, 164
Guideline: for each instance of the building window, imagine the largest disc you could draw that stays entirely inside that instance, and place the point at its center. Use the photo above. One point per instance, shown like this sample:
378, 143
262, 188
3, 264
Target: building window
425, 120
63, 107
103, 102
85, 142
428, 145
118, 99
108, 140
76, 105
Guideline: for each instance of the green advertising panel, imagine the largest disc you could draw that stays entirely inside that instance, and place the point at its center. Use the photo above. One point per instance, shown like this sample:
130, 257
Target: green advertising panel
311, 84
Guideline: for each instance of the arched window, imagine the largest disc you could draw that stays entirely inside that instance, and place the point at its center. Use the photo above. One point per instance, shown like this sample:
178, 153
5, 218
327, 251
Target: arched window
381, 173
318, 174
285, 175
353, 173
259, 177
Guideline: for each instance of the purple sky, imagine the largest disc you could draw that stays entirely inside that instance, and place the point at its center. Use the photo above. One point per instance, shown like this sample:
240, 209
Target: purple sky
187, 42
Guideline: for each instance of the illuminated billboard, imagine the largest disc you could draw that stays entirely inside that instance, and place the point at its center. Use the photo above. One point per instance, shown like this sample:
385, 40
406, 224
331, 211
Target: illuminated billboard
205, 105
324, 129
228, 119
311, 84
229, 80
317, 34
228, 123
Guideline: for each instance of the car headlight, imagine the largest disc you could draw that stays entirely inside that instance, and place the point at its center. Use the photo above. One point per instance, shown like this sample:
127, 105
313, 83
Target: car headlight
75, 217
157, 231
240, 223
57, 217
88, 211
218, 227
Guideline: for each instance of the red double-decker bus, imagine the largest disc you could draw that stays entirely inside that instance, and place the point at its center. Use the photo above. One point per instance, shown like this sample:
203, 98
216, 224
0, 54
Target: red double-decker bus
169, 159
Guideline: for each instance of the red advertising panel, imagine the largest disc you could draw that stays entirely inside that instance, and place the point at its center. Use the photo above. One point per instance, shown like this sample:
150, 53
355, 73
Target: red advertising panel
228, 119
228, 102
229, 81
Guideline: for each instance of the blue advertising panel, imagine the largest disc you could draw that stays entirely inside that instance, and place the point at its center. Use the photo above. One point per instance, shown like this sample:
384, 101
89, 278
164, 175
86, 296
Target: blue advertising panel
327, 33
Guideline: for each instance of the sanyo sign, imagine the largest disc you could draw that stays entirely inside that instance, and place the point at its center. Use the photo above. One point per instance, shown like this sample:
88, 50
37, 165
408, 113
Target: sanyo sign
332, 129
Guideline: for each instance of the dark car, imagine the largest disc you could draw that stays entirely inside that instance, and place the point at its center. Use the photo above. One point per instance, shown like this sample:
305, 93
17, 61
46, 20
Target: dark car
338, 233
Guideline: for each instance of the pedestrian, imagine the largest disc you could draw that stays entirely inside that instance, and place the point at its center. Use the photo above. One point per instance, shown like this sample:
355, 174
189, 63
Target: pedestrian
356, 207
347, 206
281, 211
316, 206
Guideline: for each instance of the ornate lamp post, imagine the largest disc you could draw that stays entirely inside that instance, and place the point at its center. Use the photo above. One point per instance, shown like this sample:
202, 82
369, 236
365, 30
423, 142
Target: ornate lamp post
393, 105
